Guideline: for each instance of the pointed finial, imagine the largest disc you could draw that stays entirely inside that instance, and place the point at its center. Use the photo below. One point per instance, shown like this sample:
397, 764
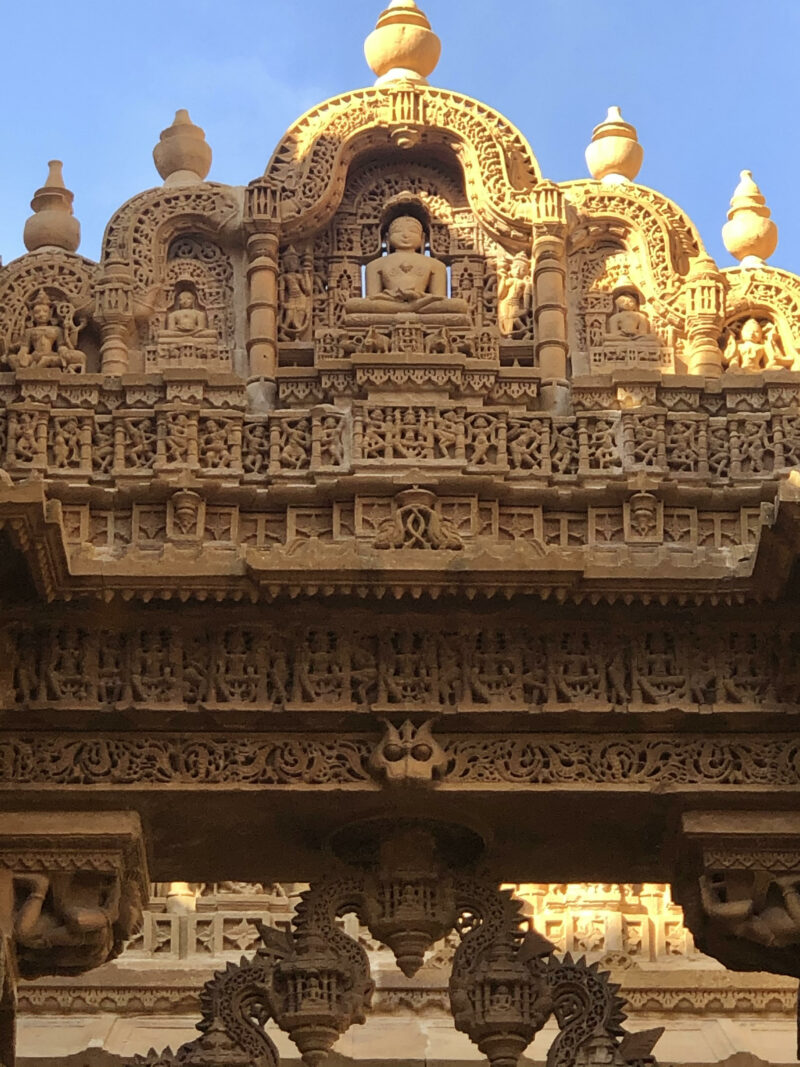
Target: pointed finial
402, 45
749, 235
182, 155
614, 154
52, 224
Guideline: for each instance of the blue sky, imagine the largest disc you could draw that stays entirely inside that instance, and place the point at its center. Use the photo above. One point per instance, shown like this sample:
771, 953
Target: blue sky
712, 86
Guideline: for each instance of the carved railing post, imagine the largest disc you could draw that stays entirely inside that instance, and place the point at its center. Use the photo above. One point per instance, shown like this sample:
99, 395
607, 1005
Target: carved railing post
262, 226
705, 313
115, 315
550, 294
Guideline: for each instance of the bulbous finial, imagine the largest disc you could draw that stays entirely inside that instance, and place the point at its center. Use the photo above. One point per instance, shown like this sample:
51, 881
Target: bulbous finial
402, 45
614, 153
749, 235
182, 155
52, 224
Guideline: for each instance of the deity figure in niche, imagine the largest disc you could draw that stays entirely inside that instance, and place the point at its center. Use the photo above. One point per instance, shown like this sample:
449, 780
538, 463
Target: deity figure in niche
46, 342
406, 282
756, 348
513, 293
628, 320
187, 321
294, 296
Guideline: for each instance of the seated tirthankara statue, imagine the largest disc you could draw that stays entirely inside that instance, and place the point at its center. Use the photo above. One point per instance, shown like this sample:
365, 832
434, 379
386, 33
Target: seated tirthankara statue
628, 321
187, 324
406, 282
45, 343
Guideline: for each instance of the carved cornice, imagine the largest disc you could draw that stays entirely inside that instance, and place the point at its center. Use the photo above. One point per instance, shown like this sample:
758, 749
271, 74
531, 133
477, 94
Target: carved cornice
727, 762
694, 996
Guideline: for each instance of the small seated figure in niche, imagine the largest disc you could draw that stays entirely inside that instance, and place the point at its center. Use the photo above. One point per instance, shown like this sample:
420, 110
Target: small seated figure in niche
188, 322
46, 343
406, 282
513, 294
628, 321
757, 348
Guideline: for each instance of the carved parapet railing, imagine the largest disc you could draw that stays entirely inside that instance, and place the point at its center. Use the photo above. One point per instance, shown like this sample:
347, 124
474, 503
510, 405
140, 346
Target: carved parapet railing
86, 430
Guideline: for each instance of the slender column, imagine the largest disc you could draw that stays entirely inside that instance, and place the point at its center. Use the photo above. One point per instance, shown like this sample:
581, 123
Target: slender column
115, 315
549, 294
705, 314
261, 221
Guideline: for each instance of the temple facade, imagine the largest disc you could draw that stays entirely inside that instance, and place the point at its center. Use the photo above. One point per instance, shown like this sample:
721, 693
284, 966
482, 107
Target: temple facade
399, 550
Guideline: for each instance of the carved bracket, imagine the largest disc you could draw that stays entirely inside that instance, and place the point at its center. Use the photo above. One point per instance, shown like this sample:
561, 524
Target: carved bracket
740, 887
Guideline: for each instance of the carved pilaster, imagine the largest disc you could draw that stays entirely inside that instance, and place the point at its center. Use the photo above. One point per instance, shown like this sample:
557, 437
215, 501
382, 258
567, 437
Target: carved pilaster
115, 315
549, 288
739, 886
262, 225
705, 313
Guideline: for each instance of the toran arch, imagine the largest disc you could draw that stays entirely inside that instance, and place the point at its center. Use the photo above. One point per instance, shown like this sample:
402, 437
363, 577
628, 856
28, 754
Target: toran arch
311, 163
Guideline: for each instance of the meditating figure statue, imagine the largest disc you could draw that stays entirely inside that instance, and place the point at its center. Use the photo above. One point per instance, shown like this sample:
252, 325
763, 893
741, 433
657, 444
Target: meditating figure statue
628, 320
406, 282
187, 322
46, 343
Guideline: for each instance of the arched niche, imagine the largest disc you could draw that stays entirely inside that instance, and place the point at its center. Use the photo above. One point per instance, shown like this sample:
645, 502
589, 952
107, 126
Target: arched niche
319, 275
67, 280
627, 237
766, 293
311, 163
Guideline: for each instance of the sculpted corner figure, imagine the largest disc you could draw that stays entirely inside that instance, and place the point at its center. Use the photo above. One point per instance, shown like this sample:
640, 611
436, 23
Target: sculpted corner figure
405, 281
66, 924
45, 343
758, 348
187, 321
513, 293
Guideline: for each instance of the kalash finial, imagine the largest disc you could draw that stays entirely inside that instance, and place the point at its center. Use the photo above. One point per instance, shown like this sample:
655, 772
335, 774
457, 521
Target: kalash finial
182, 155
614, 153
402, 46
750, 235
52, 224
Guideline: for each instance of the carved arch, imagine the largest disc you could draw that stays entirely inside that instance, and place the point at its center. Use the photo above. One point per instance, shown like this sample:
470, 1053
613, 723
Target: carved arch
61, 274
769, 290
311, 162
141, 230
664, 237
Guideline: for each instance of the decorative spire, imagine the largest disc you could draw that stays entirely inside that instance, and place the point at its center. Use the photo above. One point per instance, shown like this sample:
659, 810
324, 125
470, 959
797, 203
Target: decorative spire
182, 155
402, 45
614, 154
750, 235
52, 224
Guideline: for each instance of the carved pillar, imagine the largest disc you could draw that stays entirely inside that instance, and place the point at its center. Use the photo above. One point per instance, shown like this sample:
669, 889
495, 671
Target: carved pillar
739, 886
262, 225
550, 294
705, 314
115, 315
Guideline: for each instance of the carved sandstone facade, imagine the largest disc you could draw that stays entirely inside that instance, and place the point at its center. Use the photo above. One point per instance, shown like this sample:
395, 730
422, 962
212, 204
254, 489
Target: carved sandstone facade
494, 486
